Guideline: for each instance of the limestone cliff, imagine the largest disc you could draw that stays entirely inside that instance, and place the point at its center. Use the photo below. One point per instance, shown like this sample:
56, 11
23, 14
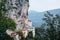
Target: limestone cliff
19, 13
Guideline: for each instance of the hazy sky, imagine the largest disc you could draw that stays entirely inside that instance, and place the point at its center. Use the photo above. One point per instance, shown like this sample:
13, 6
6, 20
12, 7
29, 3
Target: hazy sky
43, 5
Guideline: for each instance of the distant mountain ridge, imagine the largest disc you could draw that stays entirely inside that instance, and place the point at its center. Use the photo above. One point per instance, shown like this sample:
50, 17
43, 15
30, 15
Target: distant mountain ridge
36, 17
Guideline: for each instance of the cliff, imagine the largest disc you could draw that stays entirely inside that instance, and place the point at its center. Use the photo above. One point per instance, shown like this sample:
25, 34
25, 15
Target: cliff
19, 13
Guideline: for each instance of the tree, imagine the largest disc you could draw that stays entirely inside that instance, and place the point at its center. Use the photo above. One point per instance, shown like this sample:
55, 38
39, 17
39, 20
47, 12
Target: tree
5, 23
52, 24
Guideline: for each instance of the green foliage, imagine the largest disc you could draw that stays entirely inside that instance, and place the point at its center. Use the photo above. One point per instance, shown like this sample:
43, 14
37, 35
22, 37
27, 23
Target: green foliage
4, 36
49, 30
30, 37
5, 23
2, 5
52, 25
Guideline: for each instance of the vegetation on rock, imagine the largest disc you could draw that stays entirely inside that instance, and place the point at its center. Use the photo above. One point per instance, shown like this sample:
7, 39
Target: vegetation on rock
5, 23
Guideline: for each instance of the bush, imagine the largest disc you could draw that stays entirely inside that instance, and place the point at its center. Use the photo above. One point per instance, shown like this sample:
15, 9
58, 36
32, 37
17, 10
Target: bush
6, 23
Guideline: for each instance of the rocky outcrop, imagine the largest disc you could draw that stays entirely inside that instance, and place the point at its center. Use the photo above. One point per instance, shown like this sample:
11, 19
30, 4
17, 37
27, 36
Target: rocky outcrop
19, 13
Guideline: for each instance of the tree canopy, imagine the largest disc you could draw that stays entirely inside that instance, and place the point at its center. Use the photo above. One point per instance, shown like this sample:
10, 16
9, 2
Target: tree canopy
5, 23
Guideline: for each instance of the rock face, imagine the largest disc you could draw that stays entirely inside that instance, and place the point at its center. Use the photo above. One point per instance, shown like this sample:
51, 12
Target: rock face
19, 13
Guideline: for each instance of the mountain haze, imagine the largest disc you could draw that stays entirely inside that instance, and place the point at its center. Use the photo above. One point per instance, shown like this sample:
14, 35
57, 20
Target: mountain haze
36, 17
